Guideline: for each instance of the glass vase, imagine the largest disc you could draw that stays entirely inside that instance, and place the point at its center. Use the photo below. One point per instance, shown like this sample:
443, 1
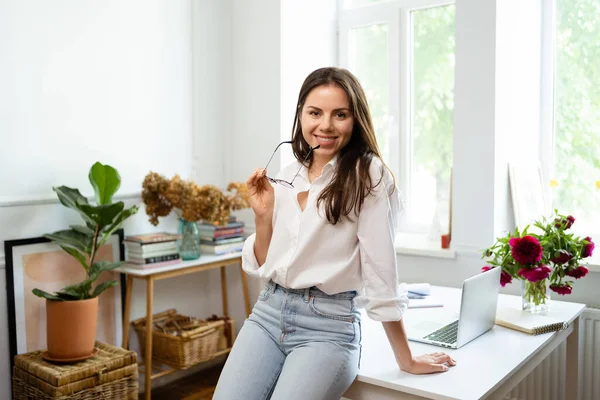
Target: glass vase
535, 296
189, 243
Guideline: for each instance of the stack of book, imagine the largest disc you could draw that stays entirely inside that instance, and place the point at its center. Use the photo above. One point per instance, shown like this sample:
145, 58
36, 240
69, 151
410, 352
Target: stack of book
151, 250
221, 239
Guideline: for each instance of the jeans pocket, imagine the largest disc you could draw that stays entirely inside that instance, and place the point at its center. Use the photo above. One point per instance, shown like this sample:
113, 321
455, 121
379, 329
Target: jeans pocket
337, 309
264, 295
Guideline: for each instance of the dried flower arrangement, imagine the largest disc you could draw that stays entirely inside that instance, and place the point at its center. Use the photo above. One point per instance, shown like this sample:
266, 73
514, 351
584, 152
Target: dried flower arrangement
190, 201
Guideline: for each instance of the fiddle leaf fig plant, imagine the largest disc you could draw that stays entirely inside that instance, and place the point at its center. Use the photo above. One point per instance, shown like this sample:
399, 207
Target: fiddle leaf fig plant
82, 242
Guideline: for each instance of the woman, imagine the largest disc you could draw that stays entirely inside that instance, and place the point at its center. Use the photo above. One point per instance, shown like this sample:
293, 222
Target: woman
324, 243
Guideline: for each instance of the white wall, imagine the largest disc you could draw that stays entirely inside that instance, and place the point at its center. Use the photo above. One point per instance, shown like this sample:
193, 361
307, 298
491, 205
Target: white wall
302, 51
110, 81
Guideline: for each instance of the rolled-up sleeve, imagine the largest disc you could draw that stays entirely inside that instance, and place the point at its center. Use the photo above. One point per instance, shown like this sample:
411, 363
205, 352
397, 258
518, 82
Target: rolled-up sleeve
249, 262
382, 297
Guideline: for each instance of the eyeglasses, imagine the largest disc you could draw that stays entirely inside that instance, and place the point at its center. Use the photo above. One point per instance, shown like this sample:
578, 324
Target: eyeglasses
284, 182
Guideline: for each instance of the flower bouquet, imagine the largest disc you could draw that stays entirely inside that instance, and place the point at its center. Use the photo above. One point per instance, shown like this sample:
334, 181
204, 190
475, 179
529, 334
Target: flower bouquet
548, 259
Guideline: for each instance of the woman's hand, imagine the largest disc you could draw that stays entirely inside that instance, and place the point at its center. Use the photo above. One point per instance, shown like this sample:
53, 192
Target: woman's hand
262, 194
429, 363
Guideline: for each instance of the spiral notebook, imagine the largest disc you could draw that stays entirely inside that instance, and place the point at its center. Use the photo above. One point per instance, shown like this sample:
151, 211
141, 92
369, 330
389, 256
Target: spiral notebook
534, 324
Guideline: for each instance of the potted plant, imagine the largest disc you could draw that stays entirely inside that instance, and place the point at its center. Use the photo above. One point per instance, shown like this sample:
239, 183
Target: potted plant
71, 313
547, 257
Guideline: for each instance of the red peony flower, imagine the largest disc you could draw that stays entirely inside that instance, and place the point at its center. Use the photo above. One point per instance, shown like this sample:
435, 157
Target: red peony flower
578, 272
561, 289
486, 268
535, 274
505, 278
588, 247
526, 250
570, 221
564, 223
561, 257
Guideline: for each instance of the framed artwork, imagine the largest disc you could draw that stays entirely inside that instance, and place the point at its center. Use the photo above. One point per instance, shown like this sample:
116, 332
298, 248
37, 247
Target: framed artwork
39, 263
529, 199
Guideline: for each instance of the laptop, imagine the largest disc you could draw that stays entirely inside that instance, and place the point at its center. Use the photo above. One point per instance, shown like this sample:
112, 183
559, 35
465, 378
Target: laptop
477, 315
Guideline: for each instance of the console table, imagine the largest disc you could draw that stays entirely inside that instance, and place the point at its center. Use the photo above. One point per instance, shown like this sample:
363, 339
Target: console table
204, 263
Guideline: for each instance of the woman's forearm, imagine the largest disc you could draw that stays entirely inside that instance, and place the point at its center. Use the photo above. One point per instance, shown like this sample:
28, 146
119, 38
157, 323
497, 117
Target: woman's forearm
397, 337
264, 231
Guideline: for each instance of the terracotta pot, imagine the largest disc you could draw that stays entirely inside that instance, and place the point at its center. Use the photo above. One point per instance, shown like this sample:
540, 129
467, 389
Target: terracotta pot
71, 328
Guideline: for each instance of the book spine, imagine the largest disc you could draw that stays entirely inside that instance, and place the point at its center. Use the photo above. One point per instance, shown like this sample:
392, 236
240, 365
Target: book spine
150, 260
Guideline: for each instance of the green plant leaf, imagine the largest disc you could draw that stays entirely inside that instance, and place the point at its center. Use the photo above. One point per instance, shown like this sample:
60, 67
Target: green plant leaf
105, 214
72, 239
81, 289
45, 295
77, 255
69, 295
106, 181
86, 230
102, 287
102, 266
72, 198
117, 224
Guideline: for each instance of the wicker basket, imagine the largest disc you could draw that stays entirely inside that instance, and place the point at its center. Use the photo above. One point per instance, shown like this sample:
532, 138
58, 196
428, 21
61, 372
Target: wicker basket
111, 374
179, 341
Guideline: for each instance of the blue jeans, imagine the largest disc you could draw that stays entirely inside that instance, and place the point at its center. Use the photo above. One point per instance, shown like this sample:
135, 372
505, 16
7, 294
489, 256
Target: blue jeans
296, 344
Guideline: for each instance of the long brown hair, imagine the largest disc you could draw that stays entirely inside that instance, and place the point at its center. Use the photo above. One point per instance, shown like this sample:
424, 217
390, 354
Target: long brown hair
351, 182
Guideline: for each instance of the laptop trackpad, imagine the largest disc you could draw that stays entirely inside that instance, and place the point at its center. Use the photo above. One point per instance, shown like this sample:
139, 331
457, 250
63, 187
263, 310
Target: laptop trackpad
420, 329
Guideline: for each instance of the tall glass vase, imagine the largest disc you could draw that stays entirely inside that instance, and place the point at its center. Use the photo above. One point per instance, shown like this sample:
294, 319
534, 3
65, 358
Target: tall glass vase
535, 296
189, 243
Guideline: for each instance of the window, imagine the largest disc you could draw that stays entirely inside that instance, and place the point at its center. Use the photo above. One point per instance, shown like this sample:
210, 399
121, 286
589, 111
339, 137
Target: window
572, 140
403, 53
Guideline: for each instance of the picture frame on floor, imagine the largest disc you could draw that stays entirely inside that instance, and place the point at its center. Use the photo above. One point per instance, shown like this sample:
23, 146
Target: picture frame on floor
39, 263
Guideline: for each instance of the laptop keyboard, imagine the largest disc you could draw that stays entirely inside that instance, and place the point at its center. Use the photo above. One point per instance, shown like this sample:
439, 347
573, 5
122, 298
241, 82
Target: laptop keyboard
447, 334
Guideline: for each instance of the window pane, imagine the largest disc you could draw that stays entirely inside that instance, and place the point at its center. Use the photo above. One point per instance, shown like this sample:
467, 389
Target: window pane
577, 113
368, 57
359, 3
431, 117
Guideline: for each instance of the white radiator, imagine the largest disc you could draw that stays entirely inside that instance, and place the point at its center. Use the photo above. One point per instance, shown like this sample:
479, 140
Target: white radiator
547, 381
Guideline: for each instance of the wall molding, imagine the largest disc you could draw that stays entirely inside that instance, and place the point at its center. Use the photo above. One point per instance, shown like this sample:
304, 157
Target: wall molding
19, 201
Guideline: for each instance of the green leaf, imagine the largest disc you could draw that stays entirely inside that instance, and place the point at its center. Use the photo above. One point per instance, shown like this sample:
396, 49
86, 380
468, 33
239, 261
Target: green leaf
72, 239
77, 255
69, 295
117, 224
101, 266
105, 214
81, 289
73, 199
102, 287
86, 230
106, 181
45, 295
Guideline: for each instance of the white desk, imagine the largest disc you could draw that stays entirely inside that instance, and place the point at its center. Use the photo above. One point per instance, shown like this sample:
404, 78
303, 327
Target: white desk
488, 367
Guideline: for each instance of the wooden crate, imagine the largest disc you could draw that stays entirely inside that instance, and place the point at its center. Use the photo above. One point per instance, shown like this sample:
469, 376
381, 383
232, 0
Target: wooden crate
111, 374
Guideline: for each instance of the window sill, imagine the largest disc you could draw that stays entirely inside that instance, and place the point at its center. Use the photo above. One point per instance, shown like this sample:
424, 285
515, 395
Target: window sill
421, 245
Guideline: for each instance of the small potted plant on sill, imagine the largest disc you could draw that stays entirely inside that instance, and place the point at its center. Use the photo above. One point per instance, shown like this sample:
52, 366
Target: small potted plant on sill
71, 313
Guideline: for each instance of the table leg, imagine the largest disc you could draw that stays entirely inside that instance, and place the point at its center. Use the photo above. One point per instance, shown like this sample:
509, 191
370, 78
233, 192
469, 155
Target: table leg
572, 384
245, 289
148, 360
224, 292
128, 289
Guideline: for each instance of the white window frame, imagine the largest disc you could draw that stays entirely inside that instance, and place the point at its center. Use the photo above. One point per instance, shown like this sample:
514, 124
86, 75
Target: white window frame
396, 14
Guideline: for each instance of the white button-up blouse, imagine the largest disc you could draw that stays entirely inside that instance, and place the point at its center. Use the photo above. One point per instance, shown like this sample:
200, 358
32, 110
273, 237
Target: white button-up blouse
306, 250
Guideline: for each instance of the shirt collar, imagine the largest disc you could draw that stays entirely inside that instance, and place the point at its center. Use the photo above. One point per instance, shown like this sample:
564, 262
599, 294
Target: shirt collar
329, 166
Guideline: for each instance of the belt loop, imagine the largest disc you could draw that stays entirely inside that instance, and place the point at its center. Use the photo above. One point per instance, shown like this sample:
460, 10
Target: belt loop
306, 295
272, 286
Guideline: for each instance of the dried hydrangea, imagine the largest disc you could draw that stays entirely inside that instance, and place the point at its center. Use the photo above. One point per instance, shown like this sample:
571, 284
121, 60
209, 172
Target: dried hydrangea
190, 201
